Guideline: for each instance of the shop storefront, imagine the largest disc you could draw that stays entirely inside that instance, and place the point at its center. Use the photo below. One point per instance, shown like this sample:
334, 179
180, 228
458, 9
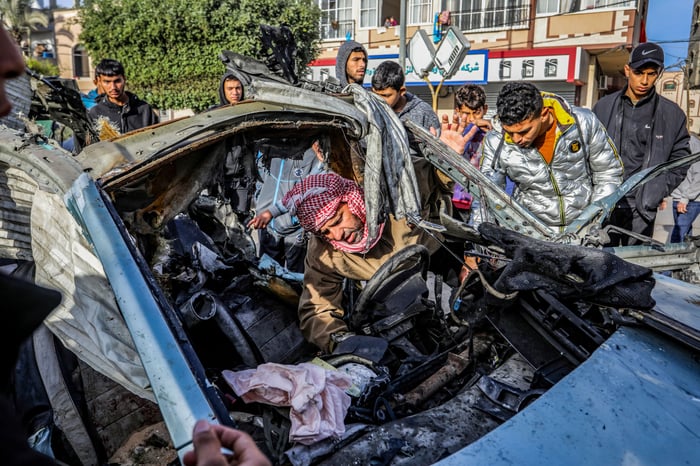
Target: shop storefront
556, 70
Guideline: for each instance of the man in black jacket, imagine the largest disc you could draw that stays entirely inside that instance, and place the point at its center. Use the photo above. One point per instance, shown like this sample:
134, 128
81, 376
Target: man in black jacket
647, 129
122, 110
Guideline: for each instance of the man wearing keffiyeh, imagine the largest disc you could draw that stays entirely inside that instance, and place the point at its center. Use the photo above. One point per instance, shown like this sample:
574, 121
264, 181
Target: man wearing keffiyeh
332, 208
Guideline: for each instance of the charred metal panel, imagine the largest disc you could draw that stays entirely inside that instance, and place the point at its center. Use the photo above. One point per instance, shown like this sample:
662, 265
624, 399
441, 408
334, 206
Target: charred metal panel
178, 391
19, 91
426, 437
637, 389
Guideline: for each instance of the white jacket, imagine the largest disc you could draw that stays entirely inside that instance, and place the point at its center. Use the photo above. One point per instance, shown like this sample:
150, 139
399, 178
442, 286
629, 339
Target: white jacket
585, 166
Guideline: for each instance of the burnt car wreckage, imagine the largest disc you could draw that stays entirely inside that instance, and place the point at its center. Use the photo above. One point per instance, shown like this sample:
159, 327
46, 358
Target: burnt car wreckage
163, 292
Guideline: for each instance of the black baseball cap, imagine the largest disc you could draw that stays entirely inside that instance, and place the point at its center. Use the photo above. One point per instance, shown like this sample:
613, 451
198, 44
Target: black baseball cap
646, 53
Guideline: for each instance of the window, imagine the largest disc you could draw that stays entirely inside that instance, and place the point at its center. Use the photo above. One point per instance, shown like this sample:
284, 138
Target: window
368, 14
550, 67
528, 68
504, 69
336, 19
547, 7
690, 70
669, 86
591, 4
420, 11
469, 15
81, 65
551, 7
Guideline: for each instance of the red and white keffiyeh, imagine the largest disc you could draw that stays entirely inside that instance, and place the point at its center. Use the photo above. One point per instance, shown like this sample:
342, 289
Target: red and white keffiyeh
316, 200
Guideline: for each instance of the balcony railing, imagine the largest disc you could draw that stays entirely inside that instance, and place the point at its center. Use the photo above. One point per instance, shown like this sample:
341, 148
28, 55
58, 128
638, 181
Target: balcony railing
337, 29
507, 15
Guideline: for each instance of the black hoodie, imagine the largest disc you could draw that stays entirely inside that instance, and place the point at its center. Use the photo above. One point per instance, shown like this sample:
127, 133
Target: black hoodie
666, 138
135, 114
222, 97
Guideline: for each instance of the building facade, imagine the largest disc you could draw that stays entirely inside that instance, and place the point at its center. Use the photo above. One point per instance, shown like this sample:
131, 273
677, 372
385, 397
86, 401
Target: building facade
693, 60
574, 48
71, 57
673, 86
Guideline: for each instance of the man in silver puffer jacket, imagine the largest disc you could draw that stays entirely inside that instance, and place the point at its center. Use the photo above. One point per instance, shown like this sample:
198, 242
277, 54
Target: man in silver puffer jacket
560, 157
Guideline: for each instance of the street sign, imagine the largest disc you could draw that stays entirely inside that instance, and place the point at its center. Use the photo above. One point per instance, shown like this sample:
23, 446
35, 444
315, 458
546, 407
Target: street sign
421, 53
451, 52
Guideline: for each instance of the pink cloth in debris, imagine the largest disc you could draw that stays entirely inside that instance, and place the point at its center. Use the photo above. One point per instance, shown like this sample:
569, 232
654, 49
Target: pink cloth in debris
316, 396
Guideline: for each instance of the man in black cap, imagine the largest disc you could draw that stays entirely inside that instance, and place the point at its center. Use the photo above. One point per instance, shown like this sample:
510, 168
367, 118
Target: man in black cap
647, 129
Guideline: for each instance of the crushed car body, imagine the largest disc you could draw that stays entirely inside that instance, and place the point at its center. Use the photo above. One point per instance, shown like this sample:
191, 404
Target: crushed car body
165, 295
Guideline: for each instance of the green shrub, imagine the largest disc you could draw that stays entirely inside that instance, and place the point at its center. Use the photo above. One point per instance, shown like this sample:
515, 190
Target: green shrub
43, 67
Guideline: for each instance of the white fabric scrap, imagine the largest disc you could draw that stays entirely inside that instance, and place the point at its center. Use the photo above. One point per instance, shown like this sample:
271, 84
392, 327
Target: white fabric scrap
315, 395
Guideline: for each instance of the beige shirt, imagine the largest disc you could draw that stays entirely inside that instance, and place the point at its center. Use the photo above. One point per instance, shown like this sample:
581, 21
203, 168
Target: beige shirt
320, 305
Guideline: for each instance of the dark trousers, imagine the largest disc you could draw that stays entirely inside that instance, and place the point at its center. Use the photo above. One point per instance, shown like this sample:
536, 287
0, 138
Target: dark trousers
630, 219
289, 250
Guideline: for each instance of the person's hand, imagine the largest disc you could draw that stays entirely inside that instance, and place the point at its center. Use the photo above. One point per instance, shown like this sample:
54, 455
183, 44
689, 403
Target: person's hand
208, 440
662, 206
316, 147
485, 125
260, 221
682, 208
451, 132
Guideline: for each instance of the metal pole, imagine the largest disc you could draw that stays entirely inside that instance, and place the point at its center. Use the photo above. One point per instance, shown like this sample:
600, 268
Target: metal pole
402, 35
686, 80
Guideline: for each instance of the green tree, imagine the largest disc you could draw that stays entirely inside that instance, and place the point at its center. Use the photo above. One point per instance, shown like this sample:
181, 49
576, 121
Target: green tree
19, 17
170, 48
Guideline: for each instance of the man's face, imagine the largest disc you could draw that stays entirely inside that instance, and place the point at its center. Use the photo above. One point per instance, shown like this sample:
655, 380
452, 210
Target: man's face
233, 90
356, 67
390, 95
527, 131
471, 115
343, 226
641, 80
113, 87
11, 66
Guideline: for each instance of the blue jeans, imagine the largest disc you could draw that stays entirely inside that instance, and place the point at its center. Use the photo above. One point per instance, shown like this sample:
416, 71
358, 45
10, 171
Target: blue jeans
683, 223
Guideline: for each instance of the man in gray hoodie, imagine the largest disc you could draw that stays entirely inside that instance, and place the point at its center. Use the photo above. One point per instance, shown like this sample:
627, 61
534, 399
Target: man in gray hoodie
388, 82
351, 63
